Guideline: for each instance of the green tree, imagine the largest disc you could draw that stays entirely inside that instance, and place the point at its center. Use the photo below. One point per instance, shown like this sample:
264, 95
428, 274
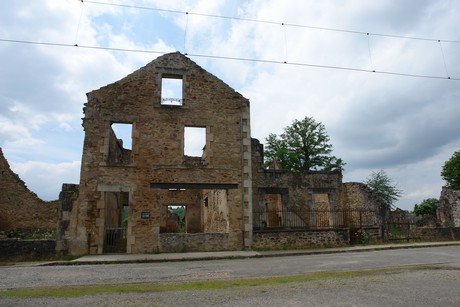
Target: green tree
427, 206
451, 171
384, 187
302, 146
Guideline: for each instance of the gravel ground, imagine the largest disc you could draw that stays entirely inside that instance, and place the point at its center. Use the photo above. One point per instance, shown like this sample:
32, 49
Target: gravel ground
398, 288
13, 277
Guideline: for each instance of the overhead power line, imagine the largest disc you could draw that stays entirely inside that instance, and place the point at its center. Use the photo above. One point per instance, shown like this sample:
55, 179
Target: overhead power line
229, 58
284, 26
270, 22
285, 62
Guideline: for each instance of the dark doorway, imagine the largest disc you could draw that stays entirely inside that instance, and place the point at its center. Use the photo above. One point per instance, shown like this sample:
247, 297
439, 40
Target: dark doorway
116, 220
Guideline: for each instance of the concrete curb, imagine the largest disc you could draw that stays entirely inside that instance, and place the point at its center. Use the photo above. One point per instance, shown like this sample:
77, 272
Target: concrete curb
197, 256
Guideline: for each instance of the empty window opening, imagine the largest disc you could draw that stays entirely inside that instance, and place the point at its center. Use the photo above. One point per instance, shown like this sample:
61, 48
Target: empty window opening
125, 215
120, 143
194, 141
271, 210
175, 219
171, 90
194, 211
123, 133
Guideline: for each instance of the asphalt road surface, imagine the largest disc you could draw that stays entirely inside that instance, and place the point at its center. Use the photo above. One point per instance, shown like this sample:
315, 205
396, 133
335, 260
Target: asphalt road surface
399, 287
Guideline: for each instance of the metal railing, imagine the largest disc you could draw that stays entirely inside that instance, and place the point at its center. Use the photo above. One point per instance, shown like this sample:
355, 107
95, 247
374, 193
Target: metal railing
172, 101
115, 240
292, 218
403, 231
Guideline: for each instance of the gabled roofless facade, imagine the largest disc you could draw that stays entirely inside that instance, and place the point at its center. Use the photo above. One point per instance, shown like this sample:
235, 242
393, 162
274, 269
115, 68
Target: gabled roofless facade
130, 189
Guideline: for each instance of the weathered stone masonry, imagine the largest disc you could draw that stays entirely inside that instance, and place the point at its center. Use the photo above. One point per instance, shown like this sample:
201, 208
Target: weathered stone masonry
155, 173
449, 208
126, 194
21, 208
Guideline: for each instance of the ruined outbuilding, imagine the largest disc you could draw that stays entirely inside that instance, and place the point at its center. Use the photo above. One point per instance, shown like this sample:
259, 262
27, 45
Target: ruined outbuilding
149, 194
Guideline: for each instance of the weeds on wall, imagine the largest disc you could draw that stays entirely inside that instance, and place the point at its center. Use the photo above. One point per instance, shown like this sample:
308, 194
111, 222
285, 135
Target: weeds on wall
30, 234
358, 237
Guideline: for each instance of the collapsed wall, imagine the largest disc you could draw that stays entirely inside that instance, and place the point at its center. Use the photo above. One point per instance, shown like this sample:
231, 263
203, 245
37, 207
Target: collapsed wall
358, 195
448, 212
21, 208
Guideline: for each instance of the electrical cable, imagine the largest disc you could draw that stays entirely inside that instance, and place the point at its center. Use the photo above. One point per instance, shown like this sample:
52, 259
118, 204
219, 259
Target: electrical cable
231, 58
269, 22
370, 53
78, 26
185, 34
443, 59
285, 44
284, 25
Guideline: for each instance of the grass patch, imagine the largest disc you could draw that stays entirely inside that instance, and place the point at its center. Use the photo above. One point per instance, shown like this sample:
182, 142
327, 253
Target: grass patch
75, 291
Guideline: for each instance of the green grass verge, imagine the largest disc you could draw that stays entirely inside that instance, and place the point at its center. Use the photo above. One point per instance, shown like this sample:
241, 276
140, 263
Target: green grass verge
75, 291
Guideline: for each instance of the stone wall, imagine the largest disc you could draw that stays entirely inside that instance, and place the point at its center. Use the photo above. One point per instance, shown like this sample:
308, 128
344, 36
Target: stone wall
27, 249
156, 172
21, 208
67, 197
308, 189
436, 234
448, 212
313, 189
197, 242
358, 195
215, 212
366, 235
271, 240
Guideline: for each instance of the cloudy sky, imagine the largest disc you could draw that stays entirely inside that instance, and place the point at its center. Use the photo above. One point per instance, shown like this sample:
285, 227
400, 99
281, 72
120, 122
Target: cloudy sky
404, 120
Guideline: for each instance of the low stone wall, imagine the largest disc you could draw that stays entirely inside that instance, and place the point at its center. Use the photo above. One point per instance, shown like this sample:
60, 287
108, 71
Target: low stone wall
27, 249
195, 242
273, 240
436, 234
366, 235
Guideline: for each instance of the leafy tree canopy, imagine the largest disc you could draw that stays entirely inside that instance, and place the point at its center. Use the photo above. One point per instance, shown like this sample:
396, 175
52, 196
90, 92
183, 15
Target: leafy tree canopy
451, 171
303, 146
427, 206
384, 187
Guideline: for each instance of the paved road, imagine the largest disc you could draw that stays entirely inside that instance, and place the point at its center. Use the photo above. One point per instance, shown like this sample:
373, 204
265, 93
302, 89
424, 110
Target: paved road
22, 277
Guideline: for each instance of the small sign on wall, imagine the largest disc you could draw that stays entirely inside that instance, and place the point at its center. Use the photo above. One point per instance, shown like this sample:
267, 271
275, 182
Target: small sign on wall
145, 214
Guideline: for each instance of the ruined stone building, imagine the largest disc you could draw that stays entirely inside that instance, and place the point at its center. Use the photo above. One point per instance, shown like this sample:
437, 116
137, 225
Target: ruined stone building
133, 188
130, 189
169, 165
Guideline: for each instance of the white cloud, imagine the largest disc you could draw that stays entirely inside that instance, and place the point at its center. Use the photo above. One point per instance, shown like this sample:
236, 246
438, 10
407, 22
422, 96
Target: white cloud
41, 177
13, 134
407, 126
